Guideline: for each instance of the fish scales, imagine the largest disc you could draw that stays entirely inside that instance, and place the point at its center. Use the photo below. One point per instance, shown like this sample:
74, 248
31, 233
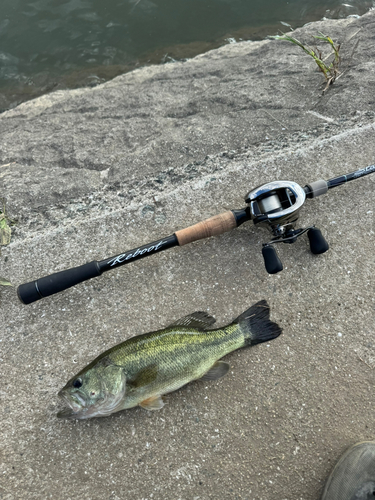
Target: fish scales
174, 344
186, 353
143, 368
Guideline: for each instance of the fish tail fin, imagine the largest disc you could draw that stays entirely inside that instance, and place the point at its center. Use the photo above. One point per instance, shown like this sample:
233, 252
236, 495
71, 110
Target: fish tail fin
256, 325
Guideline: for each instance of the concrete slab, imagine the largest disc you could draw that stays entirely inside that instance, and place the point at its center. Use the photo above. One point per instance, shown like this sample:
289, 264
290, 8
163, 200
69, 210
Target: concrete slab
275, 425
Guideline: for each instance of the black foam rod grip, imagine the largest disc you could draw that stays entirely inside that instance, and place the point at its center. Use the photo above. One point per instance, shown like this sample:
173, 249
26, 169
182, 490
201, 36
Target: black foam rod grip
57, 282
271, 260
318, 243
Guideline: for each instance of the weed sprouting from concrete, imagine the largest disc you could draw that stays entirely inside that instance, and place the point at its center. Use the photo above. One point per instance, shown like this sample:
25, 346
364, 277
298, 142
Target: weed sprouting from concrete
5, 231
329, 70
5, 282
5, 235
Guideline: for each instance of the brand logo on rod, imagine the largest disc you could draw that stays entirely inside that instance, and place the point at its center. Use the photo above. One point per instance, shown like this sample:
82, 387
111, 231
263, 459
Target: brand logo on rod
363, 171
134, 253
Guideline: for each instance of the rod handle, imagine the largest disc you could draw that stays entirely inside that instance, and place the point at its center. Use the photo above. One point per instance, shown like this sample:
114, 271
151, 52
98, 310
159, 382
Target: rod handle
57, 282
213, 226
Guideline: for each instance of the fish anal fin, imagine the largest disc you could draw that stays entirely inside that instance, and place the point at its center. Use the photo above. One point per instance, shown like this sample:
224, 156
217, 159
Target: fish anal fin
199, 319
153, 403
218, 370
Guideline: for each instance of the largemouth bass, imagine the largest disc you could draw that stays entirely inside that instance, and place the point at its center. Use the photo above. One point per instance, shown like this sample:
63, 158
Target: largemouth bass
143, 368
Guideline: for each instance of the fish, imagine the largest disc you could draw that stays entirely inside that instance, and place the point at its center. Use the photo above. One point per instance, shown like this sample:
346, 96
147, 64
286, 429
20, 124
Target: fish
139, 371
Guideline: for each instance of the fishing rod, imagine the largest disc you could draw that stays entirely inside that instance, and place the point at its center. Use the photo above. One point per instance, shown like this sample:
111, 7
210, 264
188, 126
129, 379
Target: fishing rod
275, 205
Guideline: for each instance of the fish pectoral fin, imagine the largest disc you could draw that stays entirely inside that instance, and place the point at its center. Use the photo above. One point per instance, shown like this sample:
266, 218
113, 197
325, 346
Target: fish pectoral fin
218, 370
199, 319
153, 403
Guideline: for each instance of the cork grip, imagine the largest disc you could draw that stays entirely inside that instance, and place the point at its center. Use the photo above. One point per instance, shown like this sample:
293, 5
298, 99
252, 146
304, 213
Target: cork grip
213, 226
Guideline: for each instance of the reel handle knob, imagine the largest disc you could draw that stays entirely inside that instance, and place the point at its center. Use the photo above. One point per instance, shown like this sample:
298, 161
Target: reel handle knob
271, 260
318, 243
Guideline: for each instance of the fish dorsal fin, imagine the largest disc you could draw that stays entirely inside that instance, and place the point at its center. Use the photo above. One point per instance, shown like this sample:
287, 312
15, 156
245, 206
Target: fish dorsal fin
199, 319
218, 370
153, 403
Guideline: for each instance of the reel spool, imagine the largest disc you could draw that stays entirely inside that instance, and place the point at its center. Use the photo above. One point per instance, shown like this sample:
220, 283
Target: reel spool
276, 205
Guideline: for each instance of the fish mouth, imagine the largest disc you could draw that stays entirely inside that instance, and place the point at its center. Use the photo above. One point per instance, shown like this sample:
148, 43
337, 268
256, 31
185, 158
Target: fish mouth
77, 405
67, 413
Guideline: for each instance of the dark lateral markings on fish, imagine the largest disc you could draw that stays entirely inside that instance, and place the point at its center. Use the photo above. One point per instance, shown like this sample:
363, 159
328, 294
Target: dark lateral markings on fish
142, 369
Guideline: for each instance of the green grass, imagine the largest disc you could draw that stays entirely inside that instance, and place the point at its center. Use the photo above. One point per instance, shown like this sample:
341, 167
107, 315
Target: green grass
5, 236
330, 70
5, 282
5, 231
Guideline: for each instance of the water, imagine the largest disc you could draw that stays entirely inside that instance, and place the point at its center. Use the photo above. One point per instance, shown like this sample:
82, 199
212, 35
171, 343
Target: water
52, 44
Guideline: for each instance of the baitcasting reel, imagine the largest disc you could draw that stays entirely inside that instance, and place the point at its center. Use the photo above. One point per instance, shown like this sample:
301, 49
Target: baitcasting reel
276, 205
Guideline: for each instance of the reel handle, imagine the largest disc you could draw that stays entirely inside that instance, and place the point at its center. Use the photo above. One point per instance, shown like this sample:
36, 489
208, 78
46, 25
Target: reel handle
318, 244
271, 260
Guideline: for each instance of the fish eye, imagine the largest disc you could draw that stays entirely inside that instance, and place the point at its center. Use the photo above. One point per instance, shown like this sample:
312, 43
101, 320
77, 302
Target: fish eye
77, 383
